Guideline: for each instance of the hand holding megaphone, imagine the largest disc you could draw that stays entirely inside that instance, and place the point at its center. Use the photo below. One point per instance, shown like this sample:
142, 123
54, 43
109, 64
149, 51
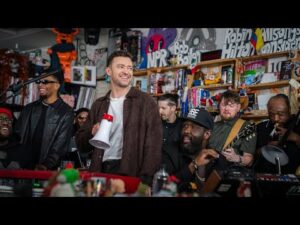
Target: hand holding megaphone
102, 132
95, 128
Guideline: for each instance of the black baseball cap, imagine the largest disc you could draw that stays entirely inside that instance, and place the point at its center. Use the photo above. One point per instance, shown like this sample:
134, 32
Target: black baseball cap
201, 117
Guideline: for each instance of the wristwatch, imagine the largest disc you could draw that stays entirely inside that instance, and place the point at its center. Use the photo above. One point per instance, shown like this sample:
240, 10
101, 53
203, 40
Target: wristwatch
202, 179
195, 165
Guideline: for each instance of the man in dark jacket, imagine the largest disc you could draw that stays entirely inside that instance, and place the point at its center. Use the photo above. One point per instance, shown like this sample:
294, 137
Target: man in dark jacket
75, 155
135, 135
171, 125
45, 126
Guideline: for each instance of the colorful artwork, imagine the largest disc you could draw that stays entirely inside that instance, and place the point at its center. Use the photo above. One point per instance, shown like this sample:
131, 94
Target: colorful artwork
157, 39
200, 38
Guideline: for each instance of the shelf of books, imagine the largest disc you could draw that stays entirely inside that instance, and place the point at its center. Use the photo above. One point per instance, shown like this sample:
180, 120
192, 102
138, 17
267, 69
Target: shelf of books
268, 71
159, 80
258, 77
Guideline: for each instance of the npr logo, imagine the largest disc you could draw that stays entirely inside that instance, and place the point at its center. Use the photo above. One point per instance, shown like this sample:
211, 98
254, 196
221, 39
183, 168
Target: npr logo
157, 58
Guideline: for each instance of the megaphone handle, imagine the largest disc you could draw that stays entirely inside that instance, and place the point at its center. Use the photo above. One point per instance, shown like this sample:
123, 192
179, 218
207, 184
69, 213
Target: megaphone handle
277, 160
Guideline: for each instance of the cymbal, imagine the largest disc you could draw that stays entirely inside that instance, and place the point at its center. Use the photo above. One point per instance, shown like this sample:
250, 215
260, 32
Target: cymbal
270, 152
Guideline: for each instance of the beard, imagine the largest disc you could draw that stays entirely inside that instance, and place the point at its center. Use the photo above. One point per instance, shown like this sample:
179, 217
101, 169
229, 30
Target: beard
191, 148
163, 117
227, 117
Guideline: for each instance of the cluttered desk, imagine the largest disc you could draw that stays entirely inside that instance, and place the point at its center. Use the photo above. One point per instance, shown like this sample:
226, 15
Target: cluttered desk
38, 183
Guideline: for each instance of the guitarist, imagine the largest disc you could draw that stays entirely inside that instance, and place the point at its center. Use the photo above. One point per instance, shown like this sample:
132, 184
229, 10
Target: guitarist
233, 152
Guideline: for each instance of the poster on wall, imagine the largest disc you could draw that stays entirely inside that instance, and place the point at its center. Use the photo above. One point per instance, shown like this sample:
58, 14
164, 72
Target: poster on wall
84, 75
240, 42
101, 60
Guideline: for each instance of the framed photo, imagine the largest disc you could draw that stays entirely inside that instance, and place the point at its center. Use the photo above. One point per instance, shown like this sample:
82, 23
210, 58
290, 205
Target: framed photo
90, 75
84, 75
137, 83
77, 75
140, 83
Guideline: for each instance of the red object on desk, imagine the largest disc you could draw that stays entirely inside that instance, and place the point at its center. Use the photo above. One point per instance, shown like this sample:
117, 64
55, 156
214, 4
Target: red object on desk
131, 183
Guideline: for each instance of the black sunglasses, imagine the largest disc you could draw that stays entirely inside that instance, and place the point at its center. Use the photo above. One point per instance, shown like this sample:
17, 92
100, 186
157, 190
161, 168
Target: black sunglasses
45, 81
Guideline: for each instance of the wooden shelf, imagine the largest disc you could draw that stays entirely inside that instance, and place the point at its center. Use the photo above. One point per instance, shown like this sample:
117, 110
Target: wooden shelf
254, 116
264, 56
140, 73
158, 70
216, 62
157, 95
169, 68
276, 84
214, 86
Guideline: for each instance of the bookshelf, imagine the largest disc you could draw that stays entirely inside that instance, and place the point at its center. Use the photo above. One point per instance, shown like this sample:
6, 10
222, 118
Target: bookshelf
155, 77
237, 65
267, 57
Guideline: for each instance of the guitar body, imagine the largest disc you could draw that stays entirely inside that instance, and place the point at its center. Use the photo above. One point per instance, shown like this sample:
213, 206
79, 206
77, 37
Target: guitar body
222, 163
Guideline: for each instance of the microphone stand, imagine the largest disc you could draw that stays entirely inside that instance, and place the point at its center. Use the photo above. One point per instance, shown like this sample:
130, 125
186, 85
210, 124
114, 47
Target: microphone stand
278, 164
15, 88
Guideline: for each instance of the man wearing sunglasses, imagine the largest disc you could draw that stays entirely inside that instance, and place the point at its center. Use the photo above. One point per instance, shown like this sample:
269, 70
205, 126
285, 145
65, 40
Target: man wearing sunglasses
79, 158
45, 126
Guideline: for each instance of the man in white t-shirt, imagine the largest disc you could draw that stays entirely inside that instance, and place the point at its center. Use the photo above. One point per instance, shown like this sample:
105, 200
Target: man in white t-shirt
136, 134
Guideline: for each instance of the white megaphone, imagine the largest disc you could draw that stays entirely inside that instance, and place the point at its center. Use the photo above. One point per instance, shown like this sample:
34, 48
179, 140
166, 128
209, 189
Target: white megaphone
101, 138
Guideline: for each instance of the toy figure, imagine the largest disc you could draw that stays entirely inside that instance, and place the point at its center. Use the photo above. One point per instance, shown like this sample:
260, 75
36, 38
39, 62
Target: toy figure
64, 50
65, 186
243, 91
197, 78
13, 68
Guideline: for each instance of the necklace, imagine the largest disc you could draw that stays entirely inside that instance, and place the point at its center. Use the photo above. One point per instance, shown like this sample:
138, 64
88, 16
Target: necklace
44, 103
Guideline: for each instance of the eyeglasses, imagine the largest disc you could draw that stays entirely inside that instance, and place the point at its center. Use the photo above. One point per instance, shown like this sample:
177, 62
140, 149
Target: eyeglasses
5, 119
45, 81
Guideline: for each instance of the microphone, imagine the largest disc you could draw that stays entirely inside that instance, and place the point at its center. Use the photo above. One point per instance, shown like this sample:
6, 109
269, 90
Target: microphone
16, 87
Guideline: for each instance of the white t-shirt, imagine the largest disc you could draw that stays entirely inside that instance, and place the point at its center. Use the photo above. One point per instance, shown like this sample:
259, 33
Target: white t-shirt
116, 133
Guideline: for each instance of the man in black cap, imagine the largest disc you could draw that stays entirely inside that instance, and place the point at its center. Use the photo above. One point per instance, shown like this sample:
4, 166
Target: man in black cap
45, 126
193, 155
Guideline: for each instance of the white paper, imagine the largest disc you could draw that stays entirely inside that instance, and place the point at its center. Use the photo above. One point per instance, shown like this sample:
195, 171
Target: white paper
262, 100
